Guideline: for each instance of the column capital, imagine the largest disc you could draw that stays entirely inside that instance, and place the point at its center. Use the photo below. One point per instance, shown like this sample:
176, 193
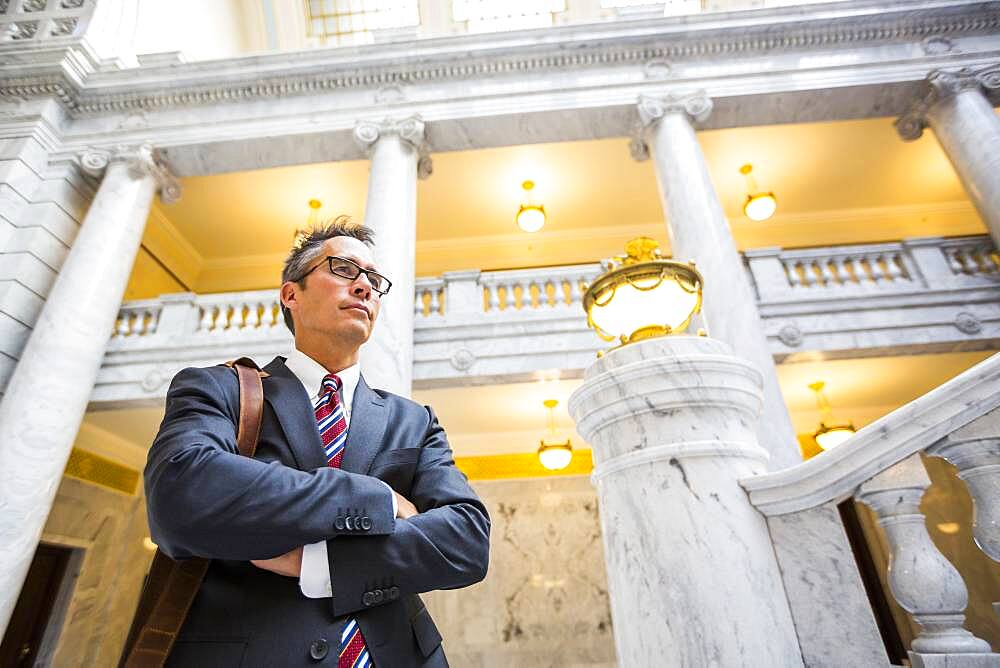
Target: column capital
141, 159
410, 129
942, 85
697, 106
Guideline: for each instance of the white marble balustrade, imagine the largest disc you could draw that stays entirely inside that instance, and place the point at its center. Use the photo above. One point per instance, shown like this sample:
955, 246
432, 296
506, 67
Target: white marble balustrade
477, 327
880, 466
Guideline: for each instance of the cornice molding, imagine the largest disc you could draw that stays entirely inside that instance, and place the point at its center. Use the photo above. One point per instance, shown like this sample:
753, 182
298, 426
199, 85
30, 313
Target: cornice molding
87, 91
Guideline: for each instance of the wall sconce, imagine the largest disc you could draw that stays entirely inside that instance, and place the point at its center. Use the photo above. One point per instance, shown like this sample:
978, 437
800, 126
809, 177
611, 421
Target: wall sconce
829, 434
314, 207
554, 455
642, 295
530, 217
759, 205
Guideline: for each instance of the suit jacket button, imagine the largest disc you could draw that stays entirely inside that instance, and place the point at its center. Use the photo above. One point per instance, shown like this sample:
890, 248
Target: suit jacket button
349, 523
379, 595
393, 593
319, 649
366, 523
368, 598
339, 524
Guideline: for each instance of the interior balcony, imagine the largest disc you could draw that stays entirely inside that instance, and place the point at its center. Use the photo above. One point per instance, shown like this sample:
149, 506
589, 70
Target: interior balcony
919, 295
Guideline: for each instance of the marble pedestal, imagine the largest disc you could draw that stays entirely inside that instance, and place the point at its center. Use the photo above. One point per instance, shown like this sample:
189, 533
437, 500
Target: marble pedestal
692, 575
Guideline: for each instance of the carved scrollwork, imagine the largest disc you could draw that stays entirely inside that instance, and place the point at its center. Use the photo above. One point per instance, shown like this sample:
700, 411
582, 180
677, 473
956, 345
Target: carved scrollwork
141, 160
967, 323
790, 335
942, 85
698, 106
410, 129
94, 161
463, 359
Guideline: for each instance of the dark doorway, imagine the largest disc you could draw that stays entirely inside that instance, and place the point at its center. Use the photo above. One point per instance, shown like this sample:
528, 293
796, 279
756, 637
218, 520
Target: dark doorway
34, 607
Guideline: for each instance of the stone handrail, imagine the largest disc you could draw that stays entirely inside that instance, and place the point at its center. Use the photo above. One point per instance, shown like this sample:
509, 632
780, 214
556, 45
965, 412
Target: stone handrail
914, 427
880, 466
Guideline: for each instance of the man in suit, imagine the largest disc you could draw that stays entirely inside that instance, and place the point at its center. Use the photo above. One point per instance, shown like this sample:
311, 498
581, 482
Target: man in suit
319, 546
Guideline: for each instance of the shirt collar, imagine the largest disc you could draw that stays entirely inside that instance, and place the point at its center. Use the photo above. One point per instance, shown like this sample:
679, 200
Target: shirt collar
310, 373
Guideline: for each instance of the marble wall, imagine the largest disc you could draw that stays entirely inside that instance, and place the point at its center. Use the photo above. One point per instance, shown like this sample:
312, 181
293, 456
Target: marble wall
545, 600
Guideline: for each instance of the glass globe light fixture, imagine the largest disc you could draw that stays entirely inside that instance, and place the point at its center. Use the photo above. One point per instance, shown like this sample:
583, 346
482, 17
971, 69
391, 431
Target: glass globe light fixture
530, 217
642, 295
553, 454
829, 434
759, 205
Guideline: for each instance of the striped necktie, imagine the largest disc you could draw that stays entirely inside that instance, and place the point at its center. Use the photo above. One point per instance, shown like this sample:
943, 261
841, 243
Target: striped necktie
332, 424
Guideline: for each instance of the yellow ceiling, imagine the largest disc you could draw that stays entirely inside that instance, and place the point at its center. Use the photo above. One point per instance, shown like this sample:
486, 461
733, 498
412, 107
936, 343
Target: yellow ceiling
501, 419
845, 182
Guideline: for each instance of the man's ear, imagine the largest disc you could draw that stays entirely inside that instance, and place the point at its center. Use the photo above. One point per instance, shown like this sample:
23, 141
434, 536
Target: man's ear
289, 295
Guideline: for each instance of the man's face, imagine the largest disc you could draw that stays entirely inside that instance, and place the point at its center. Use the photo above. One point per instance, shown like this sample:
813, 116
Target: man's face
333, 306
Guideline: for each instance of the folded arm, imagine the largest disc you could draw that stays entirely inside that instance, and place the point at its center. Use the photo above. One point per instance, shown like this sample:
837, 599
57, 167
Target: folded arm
445, 546
205, 499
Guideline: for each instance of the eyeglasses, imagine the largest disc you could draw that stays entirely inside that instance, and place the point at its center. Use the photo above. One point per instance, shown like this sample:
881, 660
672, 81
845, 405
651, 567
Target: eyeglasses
341, 266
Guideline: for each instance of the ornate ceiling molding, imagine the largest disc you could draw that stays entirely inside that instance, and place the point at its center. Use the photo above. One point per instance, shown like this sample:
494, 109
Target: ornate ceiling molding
460, 58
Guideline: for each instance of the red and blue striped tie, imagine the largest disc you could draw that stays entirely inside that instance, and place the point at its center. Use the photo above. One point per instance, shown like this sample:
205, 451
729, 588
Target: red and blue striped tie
332, 425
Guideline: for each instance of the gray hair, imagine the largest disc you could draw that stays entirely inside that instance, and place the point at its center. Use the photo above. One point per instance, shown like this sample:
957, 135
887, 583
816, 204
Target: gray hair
308, 248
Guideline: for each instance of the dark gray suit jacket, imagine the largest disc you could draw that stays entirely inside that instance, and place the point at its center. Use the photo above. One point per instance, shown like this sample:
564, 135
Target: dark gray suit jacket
205, 500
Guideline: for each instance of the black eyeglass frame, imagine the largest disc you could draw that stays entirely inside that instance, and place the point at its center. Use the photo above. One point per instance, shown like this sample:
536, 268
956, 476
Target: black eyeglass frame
360, 270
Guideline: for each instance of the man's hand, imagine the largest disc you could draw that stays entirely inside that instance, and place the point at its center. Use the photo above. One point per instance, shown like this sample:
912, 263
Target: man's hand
288, 564
404, 509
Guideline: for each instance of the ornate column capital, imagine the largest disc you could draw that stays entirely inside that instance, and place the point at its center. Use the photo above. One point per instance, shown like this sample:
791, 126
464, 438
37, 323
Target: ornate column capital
411, 130
697, 106
942, 85
141, 159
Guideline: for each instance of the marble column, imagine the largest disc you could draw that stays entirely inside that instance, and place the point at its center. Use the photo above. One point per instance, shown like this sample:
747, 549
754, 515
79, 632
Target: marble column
956, 108
698, 230
48, 392
692, 574
398, 158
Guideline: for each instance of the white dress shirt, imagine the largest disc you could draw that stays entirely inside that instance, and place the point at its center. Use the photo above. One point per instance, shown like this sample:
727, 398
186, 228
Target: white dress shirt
314, 578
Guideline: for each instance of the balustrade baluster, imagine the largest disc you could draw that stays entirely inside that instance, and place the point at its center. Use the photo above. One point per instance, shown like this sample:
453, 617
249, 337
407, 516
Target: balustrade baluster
975, 451
954, 263
894, 263
207, 318
129, 324
924, 583
859, 271
493, 291
827, 276
270, 314
576, 290
434, 307
511, 296
792, 271
809, 273
418, 303
253, 315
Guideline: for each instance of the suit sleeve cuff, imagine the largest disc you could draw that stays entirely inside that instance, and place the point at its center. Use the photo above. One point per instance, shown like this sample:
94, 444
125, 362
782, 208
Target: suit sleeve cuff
392, 495
314, 579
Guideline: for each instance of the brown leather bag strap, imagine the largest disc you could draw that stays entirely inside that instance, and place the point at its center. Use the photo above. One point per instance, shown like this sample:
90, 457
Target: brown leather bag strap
172, 585
251, 404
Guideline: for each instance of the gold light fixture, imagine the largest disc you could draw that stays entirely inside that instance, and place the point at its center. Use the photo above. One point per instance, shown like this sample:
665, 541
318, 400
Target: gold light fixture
642, 295
314, 207
554, 454
829, 434
759, 205
530, 217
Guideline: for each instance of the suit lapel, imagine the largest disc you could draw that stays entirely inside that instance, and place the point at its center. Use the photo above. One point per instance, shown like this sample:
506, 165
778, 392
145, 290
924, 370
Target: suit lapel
295, 414
369, 417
